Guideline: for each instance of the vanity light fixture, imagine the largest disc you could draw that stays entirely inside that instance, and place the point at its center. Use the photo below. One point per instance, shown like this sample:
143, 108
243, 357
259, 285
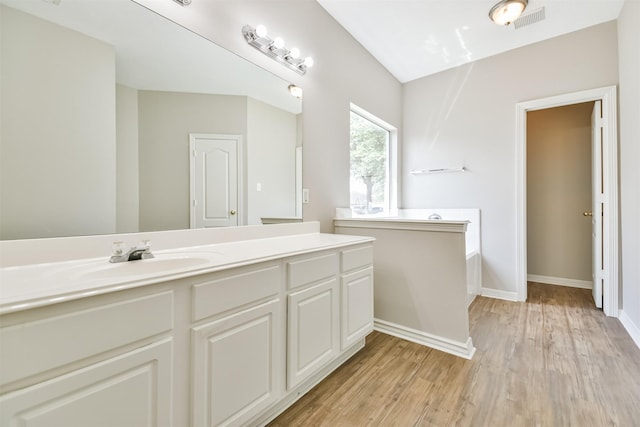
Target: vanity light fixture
296, 91
275, 49
507, 11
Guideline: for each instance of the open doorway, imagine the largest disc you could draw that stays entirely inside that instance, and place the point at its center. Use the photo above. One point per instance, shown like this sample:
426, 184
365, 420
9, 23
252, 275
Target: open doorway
607, 198
559, 196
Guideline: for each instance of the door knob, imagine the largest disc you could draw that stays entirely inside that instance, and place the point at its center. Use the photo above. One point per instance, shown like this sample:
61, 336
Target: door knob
232, 212
587, 213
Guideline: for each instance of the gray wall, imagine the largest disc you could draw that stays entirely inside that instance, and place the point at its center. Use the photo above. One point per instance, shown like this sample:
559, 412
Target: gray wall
127, 199
271, 144
44, 69
629, 52
558, 191
466, 116
165, 121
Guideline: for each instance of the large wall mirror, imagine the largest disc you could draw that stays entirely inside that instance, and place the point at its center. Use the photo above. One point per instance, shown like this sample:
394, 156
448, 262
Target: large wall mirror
98, 102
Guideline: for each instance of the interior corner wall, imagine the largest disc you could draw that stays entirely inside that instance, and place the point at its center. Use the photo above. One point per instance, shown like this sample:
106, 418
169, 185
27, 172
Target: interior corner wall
271, 161
629, 57
466, 117
558, 192
165, 121
127, 177
344, 72
44, 77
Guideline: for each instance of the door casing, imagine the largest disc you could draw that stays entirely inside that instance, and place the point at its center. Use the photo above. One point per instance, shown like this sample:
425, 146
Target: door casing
608, 96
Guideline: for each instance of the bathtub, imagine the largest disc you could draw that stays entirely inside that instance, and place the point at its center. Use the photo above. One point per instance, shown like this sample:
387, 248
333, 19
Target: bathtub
474, 276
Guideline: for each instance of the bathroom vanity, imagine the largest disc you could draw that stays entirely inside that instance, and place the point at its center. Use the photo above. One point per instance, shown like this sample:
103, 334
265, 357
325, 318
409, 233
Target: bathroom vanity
225, 333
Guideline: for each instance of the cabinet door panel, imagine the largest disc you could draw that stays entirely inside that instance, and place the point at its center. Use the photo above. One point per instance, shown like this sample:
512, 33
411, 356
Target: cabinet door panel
235, 365
357, 306
313, 333
133, 389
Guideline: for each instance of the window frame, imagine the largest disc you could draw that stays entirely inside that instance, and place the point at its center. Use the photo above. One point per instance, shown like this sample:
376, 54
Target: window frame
391, 204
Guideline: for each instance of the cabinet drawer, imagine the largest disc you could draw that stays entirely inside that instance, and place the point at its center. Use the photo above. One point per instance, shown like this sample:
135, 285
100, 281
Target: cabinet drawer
230, 290
35, 347
353, 259
304, 271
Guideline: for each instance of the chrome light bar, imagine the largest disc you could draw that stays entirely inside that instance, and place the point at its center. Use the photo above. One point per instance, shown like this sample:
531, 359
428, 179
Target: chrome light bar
275, 49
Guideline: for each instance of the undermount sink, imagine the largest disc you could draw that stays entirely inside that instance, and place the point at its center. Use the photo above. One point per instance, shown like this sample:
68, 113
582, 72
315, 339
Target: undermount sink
161, 264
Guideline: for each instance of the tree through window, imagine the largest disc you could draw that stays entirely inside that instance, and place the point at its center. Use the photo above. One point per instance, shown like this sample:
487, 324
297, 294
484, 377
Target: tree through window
369, 166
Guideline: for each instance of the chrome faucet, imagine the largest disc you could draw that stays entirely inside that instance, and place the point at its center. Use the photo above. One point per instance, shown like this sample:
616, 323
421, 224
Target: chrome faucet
142, 251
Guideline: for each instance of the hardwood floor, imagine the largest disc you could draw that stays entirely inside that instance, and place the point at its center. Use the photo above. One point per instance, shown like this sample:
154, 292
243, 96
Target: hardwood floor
553, 361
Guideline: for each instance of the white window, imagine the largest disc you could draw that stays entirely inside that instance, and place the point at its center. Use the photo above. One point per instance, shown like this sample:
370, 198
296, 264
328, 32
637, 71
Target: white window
372, 164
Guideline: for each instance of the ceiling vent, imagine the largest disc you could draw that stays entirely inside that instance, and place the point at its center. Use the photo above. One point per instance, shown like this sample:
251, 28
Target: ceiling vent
530, 18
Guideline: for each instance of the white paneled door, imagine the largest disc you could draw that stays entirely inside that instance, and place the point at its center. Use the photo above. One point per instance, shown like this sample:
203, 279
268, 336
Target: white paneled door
215, 180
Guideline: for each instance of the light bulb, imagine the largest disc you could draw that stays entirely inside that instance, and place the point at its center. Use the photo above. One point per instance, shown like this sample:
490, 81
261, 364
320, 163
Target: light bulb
510, 12
296, 91
308, 61
294, 53
507, 11
261, 31
278, 43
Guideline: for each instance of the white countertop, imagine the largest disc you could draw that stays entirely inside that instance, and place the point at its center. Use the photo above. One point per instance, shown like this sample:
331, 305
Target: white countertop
30, 286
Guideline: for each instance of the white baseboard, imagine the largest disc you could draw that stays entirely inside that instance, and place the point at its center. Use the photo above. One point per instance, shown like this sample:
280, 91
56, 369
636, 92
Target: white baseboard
631, 327
573, 283
495, 293
470, 298
460, 349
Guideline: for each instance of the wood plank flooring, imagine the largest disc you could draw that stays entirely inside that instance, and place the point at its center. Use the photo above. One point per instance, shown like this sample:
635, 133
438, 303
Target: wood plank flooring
553, 361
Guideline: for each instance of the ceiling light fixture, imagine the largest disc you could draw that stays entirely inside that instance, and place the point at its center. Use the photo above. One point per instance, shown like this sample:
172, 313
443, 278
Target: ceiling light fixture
275, 48
507, 11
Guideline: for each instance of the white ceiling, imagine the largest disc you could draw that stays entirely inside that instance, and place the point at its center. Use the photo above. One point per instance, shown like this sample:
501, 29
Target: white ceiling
153, 53
415, 38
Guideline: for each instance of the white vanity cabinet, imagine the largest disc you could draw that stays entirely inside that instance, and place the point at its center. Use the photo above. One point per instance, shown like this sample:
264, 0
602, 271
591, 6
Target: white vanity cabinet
104, 361
233, 345
237, 352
